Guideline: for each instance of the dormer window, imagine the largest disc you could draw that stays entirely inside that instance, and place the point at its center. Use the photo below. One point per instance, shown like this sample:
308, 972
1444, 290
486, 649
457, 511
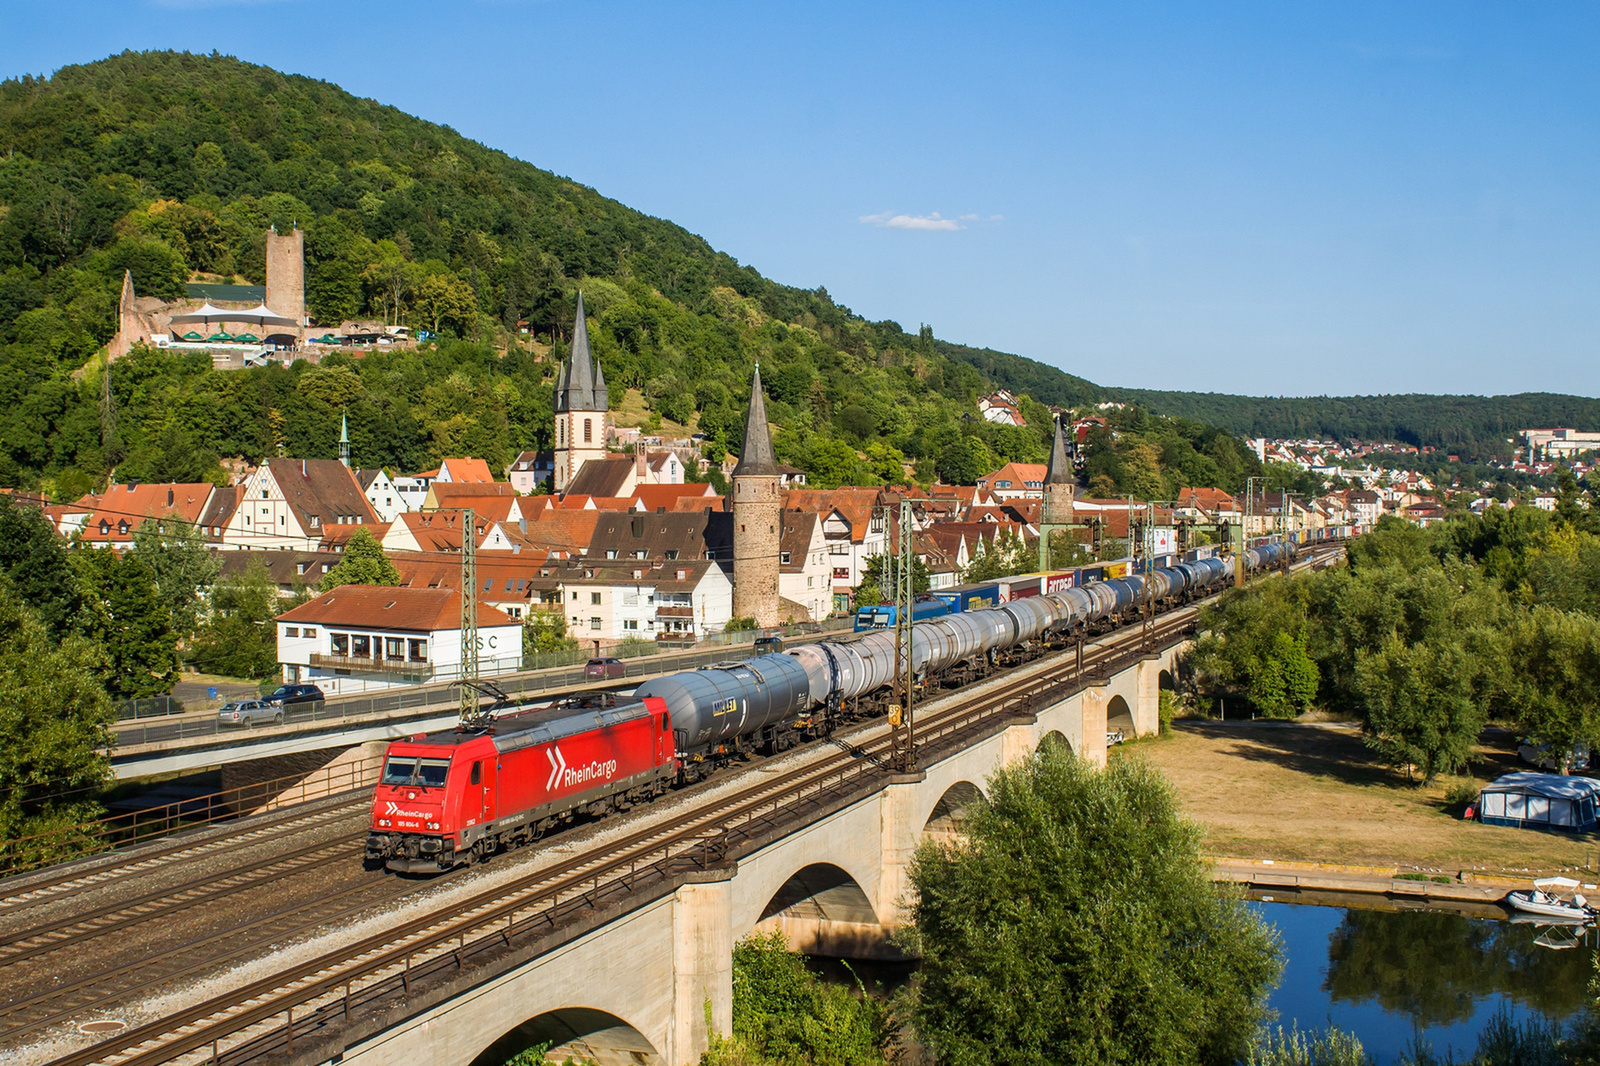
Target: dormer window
105, 527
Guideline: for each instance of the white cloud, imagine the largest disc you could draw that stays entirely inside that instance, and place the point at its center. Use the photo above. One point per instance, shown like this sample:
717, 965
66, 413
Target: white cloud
889, 220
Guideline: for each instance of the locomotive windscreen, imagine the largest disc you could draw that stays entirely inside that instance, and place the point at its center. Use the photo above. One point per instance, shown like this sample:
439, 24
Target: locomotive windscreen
410, 770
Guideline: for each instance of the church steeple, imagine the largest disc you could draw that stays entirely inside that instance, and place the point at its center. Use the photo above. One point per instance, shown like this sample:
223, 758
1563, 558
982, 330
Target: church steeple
755, 456
581, 404
344, 439
581, 386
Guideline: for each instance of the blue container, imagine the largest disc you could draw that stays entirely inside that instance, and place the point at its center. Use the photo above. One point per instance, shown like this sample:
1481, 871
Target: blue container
972, 597
211, 692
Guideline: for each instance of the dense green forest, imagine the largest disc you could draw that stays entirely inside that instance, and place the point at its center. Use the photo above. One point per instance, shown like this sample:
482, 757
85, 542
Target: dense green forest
1473, 427
170, 165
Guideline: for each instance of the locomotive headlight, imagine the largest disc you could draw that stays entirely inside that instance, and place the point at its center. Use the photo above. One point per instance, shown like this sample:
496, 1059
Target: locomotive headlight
433, 825
385, 822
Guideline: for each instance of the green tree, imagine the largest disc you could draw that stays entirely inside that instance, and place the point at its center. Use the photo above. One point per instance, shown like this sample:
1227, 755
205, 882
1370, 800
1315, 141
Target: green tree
363, 563
182, 566
1083, 886
879, 573
1558, 678
34, 560
1422, 712
129, 620
545, 631
240, 638
53, 716
783, 1013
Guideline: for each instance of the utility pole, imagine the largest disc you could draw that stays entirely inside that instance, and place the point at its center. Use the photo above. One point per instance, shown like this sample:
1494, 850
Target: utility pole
469, 620
901, 714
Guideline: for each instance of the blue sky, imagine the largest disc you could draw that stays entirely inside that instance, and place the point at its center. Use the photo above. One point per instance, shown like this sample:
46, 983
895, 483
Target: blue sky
1261, 198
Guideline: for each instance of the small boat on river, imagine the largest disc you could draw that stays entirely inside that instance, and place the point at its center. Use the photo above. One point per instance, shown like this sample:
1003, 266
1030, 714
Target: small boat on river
1554, 899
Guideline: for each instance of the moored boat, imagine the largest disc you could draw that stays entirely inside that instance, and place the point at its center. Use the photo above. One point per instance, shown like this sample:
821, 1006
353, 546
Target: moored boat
1555, 898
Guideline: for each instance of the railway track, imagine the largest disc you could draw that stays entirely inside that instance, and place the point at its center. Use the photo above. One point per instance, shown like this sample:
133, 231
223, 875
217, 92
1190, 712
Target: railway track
258, 1017
99, 871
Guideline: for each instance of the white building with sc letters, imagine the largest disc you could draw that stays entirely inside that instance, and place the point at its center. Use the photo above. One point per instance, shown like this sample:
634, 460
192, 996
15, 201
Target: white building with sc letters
371, 638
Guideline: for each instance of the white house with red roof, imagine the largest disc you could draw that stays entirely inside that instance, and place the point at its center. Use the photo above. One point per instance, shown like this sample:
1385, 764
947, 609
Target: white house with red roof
289, 503
363, 638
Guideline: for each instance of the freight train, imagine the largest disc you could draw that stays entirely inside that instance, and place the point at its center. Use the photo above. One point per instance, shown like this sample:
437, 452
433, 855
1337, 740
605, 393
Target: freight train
450, 797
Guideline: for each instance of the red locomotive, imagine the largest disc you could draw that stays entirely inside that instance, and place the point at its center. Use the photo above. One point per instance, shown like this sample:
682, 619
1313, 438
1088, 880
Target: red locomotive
449, 797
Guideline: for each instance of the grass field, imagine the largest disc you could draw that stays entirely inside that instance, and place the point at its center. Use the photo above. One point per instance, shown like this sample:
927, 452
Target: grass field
1290, 791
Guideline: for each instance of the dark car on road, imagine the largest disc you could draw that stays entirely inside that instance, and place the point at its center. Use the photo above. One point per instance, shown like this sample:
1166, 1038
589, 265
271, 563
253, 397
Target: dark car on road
604, 668
284, 695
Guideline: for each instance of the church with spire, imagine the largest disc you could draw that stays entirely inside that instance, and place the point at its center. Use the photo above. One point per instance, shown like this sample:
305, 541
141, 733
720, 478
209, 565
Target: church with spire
581, 407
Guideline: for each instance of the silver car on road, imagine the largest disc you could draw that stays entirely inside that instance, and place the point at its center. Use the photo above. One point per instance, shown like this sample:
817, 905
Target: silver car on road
249, 712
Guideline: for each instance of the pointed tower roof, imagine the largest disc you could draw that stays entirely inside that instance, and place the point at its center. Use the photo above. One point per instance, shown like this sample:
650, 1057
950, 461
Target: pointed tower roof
1060, 470
580, 386
755, 457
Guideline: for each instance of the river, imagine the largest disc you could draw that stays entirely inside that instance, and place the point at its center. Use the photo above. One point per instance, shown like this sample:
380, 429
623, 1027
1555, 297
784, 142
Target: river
1390, 975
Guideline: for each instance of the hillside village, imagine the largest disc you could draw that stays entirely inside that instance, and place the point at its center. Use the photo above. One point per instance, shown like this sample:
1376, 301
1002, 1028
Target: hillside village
618, 538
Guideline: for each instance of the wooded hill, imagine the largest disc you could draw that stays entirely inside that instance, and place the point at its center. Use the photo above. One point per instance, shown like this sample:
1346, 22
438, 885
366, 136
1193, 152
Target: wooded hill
170, 165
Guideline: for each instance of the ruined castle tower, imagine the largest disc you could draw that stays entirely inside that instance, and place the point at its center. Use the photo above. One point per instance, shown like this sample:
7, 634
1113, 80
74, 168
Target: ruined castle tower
286, 274
581, 405
757, 517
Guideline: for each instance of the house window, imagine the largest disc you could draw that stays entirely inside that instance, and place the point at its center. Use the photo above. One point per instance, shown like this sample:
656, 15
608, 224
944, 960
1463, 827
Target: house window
488, 584
418, 650
263, 494
361, 646
594, 622
308, 632
291, 631
783, 557
588, 431
670, 553
316, 520
299, 568
630, 598
811, 581
574, 597
632, 623
683, 575
341, 643
395, 647
514, 612
594, 599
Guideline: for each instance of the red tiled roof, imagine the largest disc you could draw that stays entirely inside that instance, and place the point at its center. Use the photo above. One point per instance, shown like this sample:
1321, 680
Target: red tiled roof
466, 470
122, 508
389, 607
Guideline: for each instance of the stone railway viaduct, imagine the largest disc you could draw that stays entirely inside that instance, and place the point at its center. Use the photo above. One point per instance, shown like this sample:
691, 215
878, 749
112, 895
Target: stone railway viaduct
643, 986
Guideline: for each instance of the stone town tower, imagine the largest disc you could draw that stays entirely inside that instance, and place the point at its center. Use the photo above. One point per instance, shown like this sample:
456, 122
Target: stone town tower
581, 404
757, 518
286, 274
1059, 482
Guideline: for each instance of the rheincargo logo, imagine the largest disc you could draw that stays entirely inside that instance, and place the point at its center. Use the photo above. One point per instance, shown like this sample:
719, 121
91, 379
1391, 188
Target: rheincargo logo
568, 776
394, 808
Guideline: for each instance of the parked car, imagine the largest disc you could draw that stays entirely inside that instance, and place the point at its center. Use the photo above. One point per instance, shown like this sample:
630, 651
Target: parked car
284, 695
769, 645
1542, 756
249, 712
604, 668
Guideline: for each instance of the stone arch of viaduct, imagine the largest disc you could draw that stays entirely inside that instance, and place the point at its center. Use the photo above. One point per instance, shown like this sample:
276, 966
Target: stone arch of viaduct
661, 969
